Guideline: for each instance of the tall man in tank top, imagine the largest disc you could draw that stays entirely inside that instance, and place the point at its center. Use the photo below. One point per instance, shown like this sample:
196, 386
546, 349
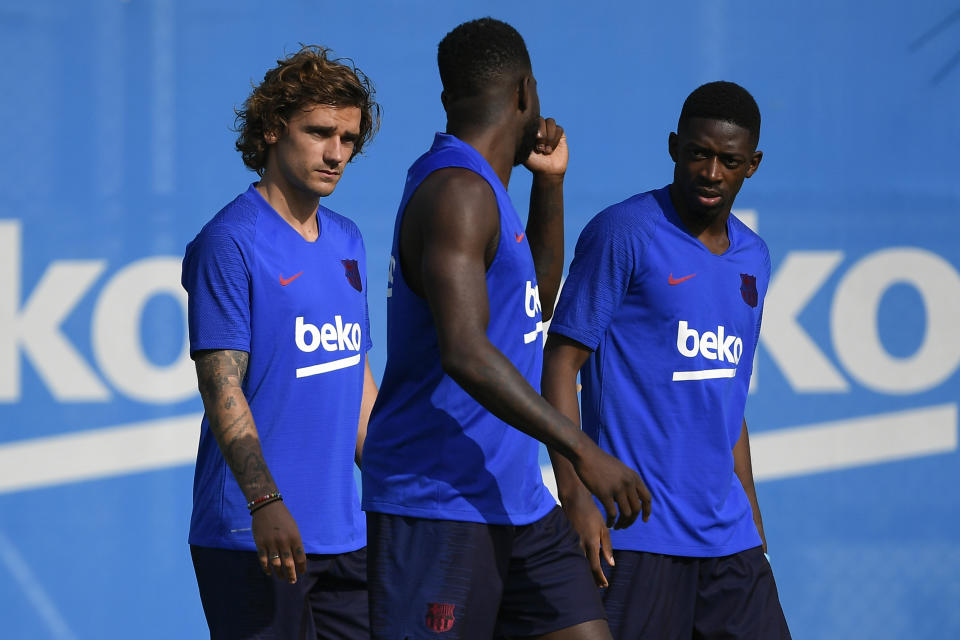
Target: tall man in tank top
463, 537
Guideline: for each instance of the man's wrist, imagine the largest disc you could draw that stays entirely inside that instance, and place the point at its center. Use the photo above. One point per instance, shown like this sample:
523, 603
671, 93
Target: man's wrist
548, 180
573, 496
580, 445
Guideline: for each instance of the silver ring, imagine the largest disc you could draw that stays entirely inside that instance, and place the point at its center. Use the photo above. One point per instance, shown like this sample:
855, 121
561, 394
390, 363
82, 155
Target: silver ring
275, 557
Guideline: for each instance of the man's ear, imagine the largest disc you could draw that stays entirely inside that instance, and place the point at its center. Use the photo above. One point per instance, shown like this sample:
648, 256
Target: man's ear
754, 162
672, 146
524, 88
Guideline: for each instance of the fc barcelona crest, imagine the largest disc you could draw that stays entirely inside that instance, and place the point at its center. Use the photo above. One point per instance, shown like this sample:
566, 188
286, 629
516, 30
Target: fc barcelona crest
353, 274
440, 616
748, 289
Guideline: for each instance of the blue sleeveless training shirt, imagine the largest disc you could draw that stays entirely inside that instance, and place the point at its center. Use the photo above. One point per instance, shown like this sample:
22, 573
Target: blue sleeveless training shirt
431, 450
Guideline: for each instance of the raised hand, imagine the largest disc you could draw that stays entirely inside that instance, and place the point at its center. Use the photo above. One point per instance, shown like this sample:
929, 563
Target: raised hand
550, 155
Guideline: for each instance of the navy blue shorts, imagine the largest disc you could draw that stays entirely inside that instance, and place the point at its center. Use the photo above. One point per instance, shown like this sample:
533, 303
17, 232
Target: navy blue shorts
464, 580
240, 601
665, 597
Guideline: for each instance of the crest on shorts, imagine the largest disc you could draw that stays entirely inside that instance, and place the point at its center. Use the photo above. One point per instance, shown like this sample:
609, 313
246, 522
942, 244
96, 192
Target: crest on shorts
748, 289
353, 274
440, 616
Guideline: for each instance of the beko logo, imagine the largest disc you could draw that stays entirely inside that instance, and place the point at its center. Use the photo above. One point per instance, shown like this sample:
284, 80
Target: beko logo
717, 346
710, 345
332, 336
335, 336
531, 305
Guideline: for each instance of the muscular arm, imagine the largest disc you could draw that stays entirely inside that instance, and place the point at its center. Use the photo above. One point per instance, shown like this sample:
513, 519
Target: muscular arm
275, 533
448, 228
366, 406
743, 467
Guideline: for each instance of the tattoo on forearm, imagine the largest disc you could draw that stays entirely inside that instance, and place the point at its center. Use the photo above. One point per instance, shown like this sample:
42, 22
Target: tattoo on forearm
220, 375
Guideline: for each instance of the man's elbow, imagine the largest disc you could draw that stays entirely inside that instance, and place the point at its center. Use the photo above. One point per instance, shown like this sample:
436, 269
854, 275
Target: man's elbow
460, 362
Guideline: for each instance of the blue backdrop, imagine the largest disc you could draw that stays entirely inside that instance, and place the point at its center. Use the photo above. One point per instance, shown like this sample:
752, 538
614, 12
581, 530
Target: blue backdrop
118, 117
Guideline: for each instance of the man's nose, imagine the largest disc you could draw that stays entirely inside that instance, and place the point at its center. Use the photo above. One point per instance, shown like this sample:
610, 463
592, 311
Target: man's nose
712, 170
334, 152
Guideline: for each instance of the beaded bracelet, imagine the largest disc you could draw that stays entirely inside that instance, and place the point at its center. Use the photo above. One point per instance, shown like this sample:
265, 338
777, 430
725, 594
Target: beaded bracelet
277, 498
263, 499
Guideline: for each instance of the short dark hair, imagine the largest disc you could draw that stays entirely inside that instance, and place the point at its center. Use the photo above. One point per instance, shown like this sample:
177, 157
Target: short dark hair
726, 101
477, 52
308, 77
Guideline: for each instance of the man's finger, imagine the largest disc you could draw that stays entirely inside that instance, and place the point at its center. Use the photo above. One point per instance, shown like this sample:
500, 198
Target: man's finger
627, 514
606, 547
610, 507
264, 562
542, 139
300, 559
593, 557
553, 133
276, 565
646, 499
635, 503
289, 568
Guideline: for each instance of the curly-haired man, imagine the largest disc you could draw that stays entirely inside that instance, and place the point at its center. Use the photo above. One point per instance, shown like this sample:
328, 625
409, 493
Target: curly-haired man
279, 331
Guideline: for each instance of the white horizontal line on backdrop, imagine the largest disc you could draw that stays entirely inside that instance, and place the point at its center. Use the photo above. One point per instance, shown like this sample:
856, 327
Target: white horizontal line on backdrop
783, 453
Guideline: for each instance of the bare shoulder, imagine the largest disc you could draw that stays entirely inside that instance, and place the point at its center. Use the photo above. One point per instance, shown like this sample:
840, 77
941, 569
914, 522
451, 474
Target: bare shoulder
455, 197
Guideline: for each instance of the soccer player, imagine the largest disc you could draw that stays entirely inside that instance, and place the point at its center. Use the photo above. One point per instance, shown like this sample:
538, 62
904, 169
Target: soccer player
279, 331
463, 536
660, 314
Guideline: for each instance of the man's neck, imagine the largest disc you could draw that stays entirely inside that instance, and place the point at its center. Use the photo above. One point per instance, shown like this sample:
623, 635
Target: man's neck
296, 208
493, 144
710, 231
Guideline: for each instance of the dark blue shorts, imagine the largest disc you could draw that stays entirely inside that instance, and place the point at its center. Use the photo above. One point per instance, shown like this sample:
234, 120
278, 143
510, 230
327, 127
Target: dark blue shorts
240, 601
665, 597
464, 580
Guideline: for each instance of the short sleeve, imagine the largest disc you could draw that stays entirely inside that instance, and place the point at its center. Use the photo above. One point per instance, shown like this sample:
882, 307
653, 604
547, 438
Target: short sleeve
599, 278
217, 282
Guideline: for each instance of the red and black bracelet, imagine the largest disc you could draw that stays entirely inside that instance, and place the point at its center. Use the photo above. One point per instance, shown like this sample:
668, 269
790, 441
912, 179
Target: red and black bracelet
263, 501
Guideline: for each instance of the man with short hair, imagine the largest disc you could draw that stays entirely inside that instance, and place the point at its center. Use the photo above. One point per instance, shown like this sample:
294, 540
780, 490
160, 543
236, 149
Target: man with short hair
660, 315
279, 331
464, 539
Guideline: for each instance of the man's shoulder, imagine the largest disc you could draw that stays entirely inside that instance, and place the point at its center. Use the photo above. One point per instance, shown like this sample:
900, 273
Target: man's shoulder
237, 217
749, 239
339, 223
635, 217
453, 195
233, 226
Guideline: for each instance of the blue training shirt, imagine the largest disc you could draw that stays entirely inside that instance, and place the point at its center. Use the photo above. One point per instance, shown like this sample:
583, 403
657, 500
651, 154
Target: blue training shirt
673, 329
299, 309
431, 450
